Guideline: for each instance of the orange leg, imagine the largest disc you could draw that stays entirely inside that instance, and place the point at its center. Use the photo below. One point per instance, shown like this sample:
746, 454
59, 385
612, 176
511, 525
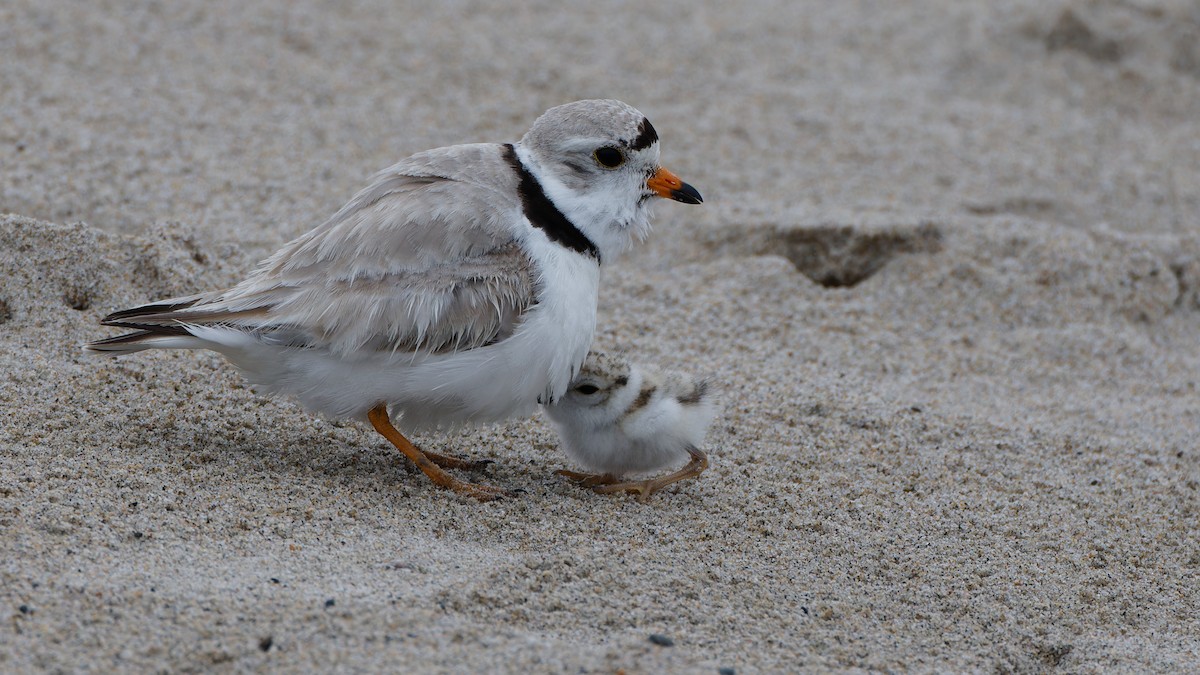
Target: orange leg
484, 493
645, 488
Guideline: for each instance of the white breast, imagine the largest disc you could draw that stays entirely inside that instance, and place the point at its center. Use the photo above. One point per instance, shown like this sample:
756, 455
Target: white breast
481, 385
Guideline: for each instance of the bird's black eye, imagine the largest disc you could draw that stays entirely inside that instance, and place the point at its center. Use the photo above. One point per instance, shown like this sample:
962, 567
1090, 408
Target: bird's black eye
587, 389
609, 157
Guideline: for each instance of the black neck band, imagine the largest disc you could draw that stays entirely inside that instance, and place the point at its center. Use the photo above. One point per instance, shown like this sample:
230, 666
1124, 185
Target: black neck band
543, 213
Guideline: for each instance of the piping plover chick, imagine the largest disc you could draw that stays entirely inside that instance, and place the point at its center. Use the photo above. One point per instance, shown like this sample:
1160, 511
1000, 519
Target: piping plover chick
619, 418
458, 286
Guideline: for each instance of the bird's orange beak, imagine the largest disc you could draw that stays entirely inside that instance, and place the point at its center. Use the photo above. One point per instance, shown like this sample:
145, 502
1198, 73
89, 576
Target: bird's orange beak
666, 184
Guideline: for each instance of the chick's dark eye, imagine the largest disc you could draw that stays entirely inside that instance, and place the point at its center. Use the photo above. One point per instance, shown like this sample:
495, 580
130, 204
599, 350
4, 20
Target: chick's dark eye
587, 389
608, 157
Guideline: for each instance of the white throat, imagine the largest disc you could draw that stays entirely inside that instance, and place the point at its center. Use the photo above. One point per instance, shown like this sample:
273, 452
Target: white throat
612, 222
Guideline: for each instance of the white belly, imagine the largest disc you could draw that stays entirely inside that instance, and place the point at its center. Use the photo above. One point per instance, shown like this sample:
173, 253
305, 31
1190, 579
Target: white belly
480, 385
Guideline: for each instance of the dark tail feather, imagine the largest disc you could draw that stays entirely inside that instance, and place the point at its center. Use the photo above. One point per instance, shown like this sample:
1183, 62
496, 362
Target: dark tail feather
121, 344
121, 318
139, 340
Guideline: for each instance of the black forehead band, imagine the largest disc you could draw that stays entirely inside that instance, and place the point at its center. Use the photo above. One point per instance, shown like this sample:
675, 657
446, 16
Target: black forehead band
646, 137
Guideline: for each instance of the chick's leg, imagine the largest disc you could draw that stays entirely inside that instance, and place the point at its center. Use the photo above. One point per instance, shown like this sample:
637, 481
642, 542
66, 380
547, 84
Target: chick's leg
588, 479
647, 487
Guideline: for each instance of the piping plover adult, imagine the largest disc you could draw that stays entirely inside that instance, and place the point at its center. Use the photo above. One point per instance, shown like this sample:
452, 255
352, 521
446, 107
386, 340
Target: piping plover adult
618, 418
458, 286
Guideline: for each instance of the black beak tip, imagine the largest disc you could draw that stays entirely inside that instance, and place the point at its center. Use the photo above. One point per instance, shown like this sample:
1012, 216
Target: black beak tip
687, 194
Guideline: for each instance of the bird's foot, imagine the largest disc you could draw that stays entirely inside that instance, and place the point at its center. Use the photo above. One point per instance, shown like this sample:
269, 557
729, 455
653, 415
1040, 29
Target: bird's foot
484, 493
451, 462
378, 416
645, 488
588, 479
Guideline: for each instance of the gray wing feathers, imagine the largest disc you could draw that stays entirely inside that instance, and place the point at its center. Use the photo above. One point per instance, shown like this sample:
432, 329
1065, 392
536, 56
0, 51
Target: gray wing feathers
449, 307
420, 260
434, 207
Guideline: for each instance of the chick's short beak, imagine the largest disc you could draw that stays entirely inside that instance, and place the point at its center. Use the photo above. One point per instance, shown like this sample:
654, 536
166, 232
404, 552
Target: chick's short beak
666, 184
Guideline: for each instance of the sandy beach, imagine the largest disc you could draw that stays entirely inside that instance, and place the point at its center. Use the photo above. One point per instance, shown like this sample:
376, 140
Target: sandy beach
946, 281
